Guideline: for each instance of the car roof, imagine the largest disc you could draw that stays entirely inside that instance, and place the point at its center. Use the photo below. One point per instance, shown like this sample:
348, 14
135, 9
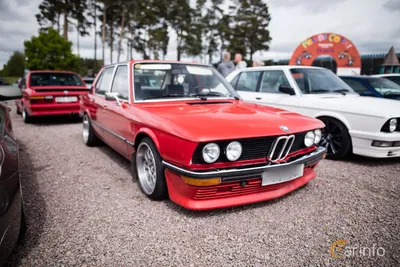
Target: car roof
386, 75
51, 71
280, 67
157, 61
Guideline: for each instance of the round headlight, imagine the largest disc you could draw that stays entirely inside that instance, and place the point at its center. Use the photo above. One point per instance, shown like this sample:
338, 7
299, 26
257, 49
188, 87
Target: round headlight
309, 139
392, 125
211, 152
318, 136
234, 151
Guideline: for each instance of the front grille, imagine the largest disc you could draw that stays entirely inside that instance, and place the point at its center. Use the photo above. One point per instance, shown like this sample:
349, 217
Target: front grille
252, 148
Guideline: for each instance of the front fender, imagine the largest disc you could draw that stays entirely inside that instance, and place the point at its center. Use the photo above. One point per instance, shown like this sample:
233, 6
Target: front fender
334, 115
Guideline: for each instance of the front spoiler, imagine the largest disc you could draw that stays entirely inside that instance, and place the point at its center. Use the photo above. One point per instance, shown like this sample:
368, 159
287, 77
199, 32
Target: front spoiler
309, 159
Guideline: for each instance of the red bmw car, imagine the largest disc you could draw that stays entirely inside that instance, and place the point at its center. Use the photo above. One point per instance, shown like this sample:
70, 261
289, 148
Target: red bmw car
50, 93
189, 136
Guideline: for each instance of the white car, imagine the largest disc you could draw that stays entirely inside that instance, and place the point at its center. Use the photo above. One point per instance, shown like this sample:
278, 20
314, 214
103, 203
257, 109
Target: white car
366, 126
394, 77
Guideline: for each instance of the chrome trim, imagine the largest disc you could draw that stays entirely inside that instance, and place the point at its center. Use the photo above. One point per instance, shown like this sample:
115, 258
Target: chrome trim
113, 133
284, 150
307, 160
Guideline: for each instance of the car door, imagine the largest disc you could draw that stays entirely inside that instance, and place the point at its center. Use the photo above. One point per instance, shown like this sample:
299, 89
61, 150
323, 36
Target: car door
246, 84
98, 102
115, 120
269, 94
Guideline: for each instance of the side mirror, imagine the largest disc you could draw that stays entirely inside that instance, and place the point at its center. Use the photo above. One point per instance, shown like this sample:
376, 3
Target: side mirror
111, 96
286, 89
9, 93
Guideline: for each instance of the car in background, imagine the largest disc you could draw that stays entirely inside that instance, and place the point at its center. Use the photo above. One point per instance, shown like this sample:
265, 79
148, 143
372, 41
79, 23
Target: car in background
88, 81
394, 77
3, 82
365, 126
190, 136
12, 219
373, 86
50, 93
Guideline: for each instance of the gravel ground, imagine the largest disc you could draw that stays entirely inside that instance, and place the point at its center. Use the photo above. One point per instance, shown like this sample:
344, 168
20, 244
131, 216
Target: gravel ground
83, 209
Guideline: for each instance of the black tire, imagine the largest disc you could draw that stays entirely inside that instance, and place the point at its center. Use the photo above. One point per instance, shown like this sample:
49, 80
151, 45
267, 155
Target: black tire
92, 139
23, 227
160, 191
335, 138
25, 116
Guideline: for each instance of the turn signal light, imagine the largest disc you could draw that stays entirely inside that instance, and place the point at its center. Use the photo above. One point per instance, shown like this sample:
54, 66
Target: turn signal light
201, 182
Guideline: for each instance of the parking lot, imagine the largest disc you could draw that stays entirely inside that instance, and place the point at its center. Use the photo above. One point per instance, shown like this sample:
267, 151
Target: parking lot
84, 209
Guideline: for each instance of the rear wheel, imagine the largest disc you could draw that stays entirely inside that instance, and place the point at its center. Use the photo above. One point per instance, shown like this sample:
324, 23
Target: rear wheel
335, 138
25, 116
149, 171
89, 136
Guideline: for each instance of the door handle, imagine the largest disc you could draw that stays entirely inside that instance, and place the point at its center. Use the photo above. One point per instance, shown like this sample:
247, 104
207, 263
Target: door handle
258, 98
105, 104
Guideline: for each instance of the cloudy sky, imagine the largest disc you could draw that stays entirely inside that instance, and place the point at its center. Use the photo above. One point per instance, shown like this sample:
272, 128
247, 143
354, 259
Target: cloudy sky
372, 25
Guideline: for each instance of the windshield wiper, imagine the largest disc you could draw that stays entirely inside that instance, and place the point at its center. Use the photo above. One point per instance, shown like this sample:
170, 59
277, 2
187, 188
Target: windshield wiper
166, 96
320, 91
204, 95
342, 91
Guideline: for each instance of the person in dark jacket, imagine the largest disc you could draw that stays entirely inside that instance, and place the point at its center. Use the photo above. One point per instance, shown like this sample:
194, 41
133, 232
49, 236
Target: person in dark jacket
226, 66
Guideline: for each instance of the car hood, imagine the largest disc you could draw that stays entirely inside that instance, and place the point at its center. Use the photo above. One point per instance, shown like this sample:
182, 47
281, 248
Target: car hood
202, 121
355, 104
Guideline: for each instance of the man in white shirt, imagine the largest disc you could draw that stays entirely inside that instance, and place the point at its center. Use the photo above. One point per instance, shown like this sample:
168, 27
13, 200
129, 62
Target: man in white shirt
240, 64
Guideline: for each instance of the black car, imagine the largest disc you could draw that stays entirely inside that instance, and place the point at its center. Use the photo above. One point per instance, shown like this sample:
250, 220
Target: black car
12, 220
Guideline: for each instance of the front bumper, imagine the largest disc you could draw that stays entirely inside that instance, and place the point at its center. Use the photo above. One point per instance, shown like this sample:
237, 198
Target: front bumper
362, 144
232, 191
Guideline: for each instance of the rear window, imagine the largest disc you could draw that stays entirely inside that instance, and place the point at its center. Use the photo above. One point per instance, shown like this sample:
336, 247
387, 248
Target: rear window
55, 79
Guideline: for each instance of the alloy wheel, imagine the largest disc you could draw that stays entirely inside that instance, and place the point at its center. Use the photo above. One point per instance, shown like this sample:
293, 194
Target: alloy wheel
332, 138
146, 168
85, 131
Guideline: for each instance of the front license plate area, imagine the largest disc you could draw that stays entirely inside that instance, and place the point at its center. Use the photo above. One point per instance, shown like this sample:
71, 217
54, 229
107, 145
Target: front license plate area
66, 99
281, 175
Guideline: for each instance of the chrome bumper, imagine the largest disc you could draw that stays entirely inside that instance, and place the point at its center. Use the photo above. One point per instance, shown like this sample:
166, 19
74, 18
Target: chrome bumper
307, 160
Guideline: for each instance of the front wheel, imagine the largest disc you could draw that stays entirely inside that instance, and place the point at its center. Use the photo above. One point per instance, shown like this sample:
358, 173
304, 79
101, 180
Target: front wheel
335, 138
149, 170
89, 136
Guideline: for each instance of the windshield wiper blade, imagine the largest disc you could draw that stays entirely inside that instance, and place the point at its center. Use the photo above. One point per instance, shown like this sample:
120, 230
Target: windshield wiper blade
166, 96
342, 91
320, 91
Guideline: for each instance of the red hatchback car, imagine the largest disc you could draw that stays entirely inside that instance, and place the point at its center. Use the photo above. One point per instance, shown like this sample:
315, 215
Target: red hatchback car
50, 93
190, 137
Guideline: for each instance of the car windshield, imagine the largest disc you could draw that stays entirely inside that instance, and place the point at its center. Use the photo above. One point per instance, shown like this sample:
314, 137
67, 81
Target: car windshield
55, 79
384, 86
395, 79
319, 81
176, 80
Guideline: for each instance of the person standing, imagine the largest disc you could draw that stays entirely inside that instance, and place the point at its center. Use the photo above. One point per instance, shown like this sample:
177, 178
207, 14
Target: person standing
226, 66
240, 64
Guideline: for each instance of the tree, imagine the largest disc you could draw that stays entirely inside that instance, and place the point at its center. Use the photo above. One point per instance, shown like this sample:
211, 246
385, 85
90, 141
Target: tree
179, 17
52, 10
251, 27
50, 51
15, 65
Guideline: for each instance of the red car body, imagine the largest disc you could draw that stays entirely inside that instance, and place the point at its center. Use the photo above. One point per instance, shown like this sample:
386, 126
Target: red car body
180, 127
42, 100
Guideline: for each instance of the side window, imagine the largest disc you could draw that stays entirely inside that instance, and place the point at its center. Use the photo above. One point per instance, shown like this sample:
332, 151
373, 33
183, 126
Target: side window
248, 81
104, 83
356, 85
234, 81
272, 80
120, 84
22, 83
